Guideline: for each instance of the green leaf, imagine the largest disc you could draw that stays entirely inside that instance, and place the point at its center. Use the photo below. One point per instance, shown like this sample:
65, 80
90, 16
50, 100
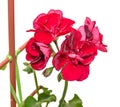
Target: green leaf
74, 102
37, 104
26, 63
45, 90
47, 72
46, 96
30, 101
28, 68
59, 77
43, 97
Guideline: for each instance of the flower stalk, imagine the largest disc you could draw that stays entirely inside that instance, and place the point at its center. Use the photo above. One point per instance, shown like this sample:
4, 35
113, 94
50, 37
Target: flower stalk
36, 82
56, 44
64, 94
18, 82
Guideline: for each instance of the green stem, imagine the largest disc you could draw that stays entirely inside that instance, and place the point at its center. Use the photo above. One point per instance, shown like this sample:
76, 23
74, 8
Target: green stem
36, 82
47, 104
64, 94
18, 78
53, 52
18, 81
14, 94
56, 44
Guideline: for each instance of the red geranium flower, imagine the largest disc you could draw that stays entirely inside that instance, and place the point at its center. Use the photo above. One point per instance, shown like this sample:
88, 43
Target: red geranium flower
37, 53
49, 26
74, 57
91, 33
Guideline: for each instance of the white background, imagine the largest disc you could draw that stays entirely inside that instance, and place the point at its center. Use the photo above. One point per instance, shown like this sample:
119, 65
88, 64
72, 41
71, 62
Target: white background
101, 88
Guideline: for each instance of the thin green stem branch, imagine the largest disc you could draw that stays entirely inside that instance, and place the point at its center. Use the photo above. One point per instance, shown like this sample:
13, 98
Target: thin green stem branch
17, 52
56, 44
14, 94
64, 94
47, 104
18, 82
36, 82
53, 52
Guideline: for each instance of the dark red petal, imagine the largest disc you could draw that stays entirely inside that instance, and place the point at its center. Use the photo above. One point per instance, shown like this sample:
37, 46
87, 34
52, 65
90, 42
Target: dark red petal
44, 37
75, 72
59, 61
40, 62
65, 47
100, 45
89, 23
96, 35
71, 42
39, 65
88, 52
88, 59
45, 50
103, 48
65, 26
82, 31
53, 22
84, 72
56, 11
39, 21
29, 57
30, 49
75, 40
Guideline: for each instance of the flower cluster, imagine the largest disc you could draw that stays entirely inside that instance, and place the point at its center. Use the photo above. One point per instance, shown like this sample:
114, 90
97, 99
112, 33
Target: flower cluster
72, 57
77, 51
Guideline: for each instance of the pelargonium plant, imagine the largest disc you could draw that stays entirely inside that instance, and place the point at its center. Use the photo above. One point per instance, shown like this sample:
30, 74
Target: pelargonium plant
72, 58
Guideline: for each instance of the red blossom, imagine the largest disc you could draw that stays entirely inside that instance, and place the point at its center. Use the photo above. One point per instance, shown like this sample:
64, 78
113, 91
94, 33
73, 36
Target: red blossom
51, 25
37, 53
91, 33
77, 51
74, 57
